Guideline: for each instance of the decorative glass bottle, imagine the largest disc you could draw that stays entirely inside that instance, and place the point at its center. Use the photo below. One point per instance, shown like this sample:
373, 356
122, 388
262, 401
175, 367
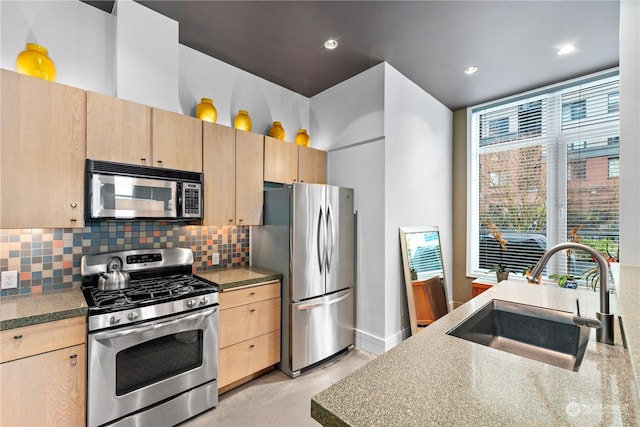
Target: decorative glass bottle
242, 121
277, 131
34, 61
302, 138
206, 110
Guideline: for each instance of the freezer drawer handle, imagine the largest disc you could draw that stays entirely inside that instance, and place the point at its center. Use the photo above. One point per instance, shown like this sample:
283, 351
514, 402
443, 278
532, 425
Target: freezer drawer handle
330, 302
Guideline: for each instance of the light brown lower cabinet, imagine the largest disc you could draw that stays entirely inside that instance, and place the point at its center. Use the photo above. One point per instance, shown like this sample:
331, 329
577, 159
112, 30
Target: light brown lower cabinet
249, 333
46, 388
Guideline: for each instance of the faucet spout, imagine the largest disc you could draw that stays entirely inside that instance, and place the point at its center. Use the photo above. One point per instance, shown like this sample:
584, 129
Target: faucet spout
604, 334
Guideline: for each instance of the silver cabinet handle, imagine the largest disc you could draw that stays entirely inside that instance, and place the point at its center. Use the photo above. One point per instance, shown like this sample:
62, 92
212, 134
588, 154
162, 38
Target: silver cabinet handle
143, 160
74, 205
74, 359
17, 337
160, 163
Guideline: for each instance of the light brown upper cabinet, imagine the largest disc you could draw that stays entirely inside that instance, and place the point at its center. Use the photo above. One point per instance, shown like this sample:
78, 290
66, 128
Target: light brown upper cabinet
118, 130
123, 131
177, 141
285, 162
312, 165
233, 170
249, 177
43, 147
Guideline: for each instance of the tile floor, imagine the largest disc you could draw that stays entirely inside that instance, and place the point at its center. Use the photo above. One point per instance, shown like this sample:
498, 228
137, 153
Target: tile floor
277, 400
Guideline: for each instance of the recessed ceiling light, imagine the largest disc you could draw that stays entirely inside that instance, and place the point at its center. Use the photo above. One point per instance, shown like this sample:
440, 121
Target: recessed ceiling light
470, 70
331, 44
566, 49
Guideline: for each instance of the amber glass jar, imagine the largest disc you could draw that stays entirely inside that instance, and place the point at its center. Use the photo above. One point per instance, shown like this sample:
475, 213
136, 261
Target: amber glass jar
277, 131
206, 110
302, 138
34, 61
242, 121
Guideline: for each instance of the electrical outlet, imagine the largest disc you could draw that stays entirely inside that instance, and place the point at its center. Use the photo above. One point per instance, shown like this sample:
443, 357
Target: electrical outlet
215, 258
9, 279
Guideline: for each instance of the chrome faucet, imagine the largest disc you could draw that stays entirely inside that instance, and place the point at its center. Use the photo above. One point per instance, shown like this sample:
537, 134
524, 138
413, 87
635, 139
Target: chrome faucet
604, 333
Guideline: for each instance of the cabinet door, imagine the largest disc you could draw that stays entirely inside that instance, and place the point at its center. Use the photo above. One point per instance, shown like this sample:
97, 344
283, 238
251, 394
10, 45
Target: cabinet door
312, 165
219, 167
43, 143
176, 141
249, 178
280, 161
118, 130
48, 389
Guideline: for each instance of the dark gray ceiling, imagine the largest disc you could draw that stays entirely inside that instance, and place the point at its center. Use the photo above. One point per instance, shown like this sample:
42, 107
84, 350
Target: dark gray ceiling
513, 43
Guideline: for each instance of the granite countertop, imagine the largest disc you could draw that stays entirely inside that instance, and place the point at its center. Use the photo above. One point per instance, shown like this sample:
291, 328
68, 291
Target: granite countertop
436, 379
24, 310
237, 277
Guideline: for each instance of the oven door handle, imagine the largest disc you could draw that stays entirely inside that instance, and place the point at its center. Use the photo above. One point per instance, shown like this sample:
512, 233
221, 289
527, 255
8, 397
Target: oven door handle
143, 329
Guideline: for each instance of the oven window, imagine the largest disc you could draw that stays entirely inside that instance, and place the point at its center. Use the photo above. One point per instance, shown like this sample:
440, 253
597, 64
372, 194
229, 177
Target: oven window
153, 361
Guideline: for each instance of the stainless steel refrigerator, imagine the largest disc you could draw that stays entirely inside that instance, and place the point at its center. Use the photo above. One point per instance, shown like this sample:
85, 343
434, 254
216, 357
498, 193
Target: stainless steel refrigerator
309, 236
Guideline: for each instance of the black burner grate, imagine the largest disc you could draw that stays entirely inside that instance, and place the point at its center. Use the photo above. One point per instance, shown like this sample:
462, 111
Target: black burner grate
144, 291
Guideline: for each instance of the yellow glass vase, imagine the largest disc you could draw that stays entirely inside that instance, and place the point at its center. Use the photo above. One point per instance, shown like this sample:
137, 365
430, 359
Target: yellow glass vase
302, 138
277, 131
34, 61
242, 121
206, 110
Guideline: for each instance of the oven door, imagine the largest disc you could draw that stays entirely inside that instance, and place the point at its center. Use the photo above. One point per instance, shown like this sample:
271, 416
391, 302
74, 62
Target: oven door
133, 367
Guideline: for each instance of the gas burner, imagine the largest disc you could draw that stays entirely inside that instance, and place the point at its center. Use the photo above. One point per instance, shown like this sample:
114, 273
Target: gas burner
148, 290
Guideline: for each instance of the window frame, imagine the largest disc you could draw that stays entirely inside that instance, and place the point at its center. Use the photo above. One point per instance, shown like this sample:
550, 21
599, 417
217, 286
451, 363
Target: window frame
558, 158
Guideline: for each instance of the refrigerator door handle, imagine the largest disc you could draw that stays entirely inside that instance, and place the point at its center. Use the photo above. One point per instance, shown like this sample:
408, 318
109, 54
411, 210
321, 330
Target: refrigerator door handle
329, 238
319, 244
346, 295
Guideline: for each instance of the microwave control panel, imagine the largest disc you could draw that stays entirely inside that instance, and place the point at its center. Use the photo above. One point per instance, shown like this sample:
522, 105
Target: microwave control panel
192, 199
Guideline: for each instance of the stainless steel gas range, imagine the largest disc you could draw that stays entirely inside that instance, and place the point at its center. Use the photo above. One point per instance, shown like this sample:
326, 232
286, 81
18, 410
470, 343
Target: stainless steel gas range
152, 345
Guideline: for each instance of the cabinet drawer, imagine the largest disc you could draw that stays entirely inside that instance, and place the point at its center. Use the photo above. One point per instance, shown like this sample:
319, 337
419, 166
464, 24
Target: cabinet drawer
250, 356
234, 298
246, 321
35, 339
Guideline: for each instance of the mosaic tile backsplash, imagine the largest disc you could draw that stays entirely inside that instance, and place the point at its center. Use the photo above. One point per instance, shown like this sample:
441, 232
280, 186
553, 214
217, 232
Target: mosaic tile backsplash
49, 259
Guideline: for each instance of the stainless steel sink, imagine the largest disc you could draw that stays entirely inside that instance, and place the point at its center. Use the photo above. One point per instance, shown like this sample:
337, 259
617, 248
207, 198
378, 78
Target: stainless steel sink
537, 333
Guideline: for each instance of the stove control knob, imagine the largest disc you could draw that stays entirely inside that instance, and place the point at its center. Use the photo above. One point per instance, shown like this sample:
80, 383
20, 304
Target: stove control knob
191, 303
204, 300
133, 315
114, 320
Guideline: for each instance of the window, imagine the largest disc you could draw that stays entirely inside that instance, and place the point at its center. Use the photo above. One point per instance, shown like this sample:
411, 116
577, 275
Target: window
577, 169
613, 103
541, 166
574, 110
613, 167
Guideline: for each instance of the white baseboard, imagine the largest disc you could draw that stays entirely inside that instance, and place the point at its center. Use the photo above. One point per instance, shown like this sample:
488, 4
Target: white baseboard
376, 345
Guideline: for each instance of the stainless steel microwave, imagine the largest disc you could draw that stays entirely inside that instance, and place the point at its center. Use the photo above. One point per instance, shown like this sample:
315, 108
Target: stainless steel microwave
124, 191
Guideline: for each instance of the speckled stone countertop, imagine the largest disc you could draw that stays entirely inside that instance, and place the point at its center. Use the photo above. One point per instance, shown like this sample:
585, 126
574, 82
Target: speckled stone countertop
237, 277
629, 301
17, 311
436, 379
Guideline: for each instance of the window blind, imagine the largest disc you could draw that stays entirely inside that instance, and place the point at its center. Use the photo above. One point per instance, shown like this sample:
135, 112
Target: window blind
545, 171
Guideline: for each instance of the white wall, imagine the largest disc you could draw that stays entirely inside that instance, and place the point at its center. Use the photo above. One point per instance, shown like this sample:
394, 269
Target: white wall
392, 143
79, 38
361, 167
349, 112
629, 132
418, 184
232, 89
146, 56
